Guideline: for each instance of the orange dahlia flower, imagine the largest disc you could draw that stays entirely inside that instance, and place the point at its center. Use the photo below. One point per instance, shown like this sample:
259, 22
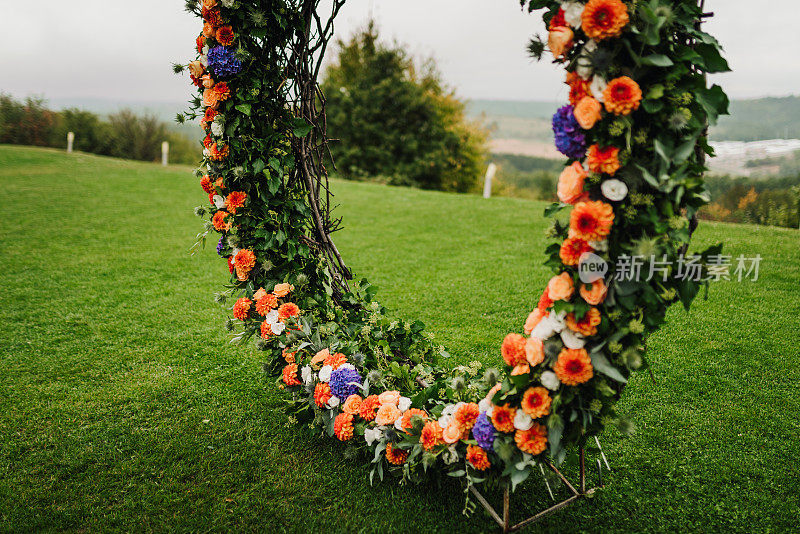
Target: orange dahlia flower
533, 441
335, 360
591, 221
561, 287
242, 308
343, 426
478, 458
395, 456
503, 417
570, 183
513, 349
622, 96
322, 394
572, 249
290, 375
536, 402
206, 184
266, 330
405, 421
573, 367
587, 325
218, 220
588, 112
235, 200
218, 152
466, 415
604, 19
534, 318
225, 35
578, 88
288, 356
596, 293
521, 369
431, 435
244, 262
545, 301
534, 351
200, 42
604, 159
222, 91
290, 309
281, 290
266, 303
369, 407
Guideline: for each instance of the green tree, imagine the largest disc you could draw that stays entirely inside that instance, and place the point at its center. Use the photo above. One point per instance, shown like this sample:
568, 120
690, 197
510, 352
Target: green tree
396, 121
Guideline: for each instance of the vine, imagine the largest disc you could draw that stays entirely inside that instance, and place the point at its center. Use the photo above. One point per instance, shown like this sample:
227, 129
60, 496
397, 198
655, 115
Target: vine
634, 136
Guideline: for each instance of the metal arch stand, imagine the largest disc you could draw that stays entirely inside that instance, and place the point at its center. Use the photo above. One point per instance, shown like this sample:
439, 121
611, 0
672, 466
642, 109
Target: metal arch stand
577, 494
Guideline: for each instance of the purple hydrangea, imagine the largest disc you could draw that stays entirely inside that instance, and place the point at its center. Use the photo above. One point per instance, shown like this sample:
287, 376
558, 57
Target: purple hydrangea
570, 140
345, 381
484, 432
222, 62
221, 246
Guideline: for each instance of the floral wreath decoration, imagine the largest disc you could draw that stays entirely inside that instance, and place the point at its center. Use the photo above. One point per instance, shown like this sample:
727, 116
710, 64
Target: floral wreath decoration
634, 136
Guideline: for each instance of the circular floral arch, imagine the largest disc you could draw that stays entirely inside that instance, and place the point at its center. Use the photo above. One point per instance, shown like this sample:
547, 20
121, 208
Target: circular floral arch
633, 134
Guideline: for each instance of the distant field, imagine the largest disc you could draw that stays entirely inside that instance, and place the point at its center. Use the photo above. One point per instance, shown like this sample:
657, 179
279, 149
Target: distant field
124, 408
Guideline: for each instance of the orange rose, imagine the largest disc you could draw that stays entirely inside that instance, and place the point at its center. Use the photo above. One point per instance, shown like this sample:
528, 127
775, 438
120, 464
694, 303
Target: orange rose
387, 414
534, 351
561, 287
196, 69
570, 183
533, 319
452, 433
208, 30
389, 397
596, 294
521, 369
320, 356
587, 112
352, 405
209, 4
281, 290
208, 82
560, 40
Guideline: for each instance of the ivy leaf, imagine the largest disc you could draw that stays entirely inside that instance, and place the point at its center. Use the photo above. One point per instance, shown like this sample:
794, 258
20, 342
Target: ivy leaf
712, 59
244, 108
301, 127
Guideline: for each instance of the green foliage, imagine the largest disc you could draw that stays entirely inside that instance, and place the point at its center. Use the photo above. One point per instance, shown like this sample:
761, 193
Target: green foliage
773, 202
25, 123
396, 119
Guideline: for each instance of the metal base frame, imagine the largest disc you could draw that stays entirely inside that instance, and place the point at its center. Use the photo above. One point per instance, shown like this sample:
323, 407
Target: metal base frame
577, 494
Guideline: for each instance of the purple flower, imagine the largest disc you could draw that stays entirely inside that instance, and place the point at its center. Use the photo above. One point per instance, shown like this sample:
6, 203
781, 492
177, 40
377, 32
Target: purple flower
484, 432
222, 62
570, 140
345, 381
221, 246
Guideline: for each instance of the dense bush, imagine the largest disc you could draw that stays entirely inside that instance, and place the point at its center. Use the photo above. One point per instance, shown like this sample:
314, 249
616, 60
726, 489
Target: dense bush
774, 201
125, 134
391, 117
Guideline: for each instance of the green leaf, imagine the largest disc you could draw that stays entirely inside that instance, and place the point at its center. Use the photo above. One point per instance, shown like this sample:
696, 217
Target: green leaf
602, 365
657, 60
712, 59
518, 476
244, 108
301, 128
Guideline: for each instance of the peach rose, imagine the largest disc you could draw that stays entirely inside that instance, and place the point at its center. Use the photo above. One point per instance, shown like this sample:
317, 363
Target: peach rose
209, 98
196, 69
320, 356
208, 30
561, 287
209, 4
595, 294
387, 414
260, 293
352, 405
281, 290
389, 397
560, 40
521, 369
570, 183
533, 319
587, 112
534, 351
452, 433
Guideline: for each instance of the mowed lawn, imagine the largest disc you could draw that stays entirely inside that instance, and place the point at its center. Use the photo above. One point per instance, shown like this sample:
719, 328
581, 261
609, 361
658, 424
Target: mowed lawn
124, 408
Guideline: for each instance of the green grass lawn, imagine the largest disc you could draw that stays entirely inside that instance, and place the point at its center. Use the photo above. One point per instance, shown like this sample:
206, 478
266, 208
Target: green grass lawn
124, 407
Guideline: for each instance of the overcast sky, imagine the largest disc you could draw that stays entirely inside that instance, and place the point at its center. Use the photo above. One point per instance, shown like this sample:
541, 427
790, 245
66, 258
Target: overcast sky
122, 50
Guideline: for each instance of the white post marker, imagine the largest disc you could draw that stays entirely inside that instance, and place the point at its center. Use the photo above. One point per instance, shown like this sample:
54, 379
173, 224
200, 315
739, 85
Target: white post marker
165, 153
70, 140
487, 181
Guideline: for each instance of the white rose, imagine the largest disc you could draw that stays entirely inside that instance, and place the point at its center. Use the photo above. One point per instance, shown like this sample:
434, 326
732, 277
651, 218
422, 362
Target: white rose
614, 190
522, 421
597, 87
271, 317
572, 340
371, 435
404, 404
444, 421
305, 374
584, 67
219, 202
217, 129
544, 330
277, 327
449, 410
333, 402
325, 373
398, 423
572, 13
204, 58
550, 380
484, 405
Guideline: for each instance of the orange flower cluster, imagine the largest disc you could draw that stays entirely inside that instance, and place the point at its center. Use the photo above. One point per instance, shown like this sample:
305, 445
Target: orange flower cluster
241, 309
219, 222
513, 349
290, 375
604, 159
266, 303
335, 360
533, 441
536, 402
561, 287
431, 435
244, 261
578, 88
322, 394
207, 184
573, 367
622, 96
369, 407
587, 325
395, 456
287, 310
503, 417
343, 426
572, 249
478, 458
604, 19
235, 200
591, 221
